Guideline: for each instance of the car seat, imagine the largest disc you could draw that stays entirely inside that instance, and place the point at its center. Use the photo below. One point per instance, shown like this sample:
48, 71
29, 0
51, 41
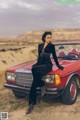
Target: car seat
75, 50
61, 54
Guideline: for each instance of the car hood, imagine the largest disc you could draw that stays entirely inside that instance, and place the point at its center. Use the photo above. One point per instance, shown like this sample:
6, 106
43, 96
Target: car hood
69, 66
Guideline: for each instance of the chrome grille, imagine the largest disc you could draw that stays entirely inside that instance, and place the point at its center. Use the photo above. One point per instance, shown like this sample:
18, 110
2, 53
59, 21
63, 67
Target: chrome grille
24, 79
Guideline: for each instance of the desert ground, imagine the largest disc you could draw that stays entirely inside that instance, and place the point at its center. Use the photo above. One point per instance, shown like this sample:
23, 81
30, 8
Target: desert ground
23, 48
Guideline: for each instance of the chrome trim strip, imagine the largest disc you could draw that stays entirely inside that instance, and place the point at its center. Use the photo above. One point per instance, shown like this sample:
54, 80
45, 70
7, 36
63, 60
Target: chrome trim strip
24, 71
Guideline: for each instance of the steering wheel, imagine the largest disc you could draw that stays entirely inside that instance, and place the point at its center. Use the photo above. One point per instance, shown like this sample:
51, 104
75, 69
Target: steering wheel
73, 53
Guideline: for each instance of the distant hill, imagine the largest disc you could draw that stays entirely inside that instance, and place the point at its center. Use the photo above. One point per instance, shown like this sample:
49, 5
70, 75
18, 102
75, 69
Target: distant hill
35, 36
58, 35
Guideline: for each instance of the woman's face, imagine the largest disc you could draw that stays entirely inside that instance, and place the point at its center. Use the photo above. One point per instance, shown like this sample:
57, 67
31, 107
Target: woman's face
48, 38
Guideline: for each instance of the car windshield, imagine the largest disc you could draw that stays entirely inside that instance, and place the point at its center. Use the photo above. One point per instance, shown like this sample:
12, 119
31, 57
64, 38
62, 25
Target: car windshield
68, 51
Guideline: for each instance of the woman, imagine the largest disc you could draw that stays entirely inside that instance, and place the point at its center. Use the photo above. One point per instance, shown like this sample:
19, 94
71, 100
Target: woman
42, 67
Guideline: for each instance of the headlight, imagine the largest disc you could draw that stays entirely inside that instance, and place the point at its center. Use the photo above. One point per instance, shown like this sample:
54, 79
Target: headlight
55, 79
48, 78
10, 76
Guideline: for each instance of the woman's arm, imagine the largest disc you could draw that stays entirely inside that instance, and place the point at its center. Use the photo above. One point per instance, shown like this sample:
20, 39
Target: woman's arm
55, 57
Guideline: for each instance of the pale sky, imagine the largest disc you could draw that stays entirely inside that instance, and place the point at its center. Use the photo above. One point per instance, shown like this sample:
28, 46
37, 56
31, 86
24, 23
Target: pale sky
18, 16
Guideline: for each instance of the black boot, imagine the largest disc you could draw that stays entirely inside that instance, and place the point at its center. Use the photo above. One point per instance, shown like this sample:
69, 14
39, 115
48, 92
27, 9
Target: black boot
30, 108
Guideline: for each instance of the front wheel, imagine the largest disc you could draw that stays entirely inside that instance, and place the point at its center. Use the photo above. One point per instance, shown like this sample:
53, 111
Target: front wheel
70, 94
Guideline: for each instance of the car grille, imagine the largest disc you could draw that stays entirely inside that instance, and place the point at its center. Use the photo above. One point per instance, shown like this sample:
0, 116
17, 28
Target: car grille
24, 79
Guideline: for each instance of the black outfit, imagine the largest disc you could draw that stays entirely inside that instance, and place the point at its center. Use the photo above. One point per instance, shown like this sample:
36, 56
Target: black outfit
42, 67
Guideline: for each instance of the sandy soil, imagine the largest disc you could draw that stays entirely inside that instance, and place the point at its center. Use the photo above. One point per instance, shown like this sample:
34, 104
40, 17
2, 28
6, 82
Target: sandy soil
47, 109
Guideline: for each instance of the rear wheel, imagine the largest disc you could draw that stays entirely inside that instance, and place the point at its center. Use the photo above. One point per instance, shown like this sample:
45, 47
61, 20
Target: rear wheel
70, 94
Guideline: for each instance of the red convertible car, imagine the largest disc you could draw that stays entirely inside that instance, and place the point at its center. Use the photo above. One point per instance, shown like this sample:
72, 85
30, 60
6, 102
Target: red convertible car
64, 83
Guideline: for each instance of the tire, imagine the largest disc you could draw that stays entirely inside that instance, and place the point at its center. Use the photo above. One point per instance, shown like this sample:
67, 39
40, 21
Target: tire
17, 94
69, 96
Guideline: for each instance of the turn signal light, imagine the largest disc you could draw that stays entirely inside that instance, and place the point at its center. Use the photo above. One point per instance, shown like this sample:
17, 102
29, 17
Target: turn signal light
57, 79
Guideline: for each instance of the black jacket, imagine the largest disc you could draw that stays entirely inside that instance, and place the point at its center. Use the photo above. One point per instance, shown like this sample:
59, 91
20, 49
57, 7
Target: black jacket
44, 57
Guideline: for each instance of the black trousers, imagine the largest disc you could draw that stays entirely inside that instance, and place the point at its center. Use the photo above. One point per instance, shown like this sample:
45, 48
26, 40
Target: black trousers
38, 70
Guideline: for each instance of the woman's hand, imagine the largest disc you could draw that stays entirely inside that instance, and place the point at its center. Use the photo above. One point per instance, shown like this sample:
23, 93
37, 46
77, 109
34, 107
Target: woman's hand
60, 67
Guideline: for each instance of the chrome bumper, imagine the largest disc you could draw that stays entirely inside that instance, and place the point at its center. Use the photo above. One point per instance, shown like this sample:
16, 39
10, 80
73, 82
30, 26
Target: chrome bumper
21, 89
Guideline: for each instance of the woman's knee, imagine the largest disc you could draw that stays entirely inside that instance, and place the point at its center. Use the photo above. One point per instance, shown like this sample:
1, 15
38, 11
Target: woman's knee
35, 68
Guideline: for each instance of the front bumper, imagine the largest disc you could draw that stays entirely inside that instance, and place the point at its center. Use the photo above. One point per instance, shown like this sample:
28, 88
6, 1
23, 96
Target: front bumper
24, 90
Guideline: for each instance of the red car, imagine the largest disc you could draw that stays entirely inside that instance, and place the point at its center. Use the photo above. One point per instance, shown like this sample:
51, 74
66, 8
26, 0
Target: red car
64, 83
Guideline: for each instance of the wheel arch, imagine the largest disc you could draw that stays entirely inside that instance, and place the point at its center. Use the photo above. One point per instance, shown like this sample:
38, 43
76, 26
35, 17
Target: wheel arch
71, 76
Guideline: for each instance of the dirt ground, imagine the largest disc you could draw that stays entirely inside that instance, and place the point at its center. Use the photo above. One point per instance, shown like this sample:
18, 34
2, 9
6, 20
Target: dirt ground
46, 109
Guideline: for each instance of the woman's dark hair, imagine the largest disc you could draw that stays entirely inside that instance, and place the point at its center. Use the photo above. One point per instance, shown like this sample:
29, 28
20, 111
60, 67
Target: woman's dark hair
45, 34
